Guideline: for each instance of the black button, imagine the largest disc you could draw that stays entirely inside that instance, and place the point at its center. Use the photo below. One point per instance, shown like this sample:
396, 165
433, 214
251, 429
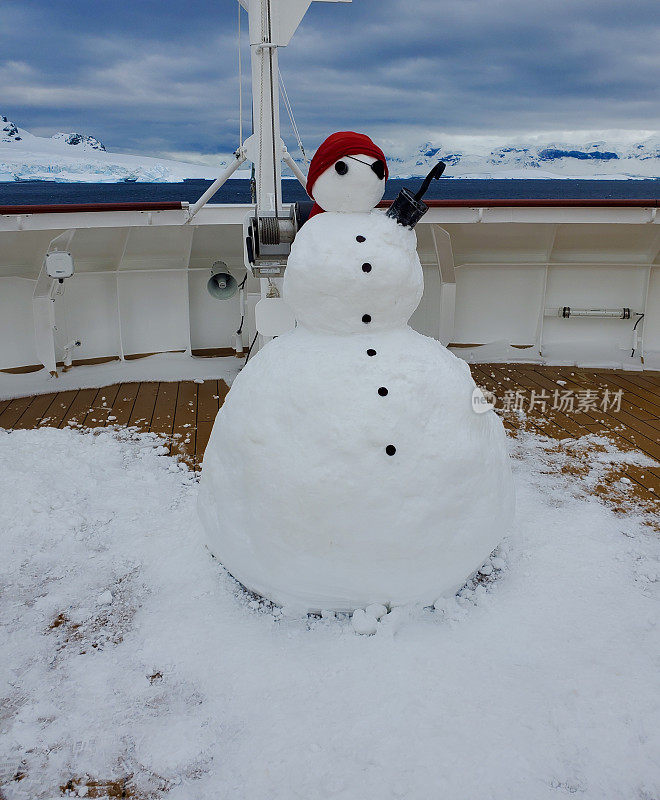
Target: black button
366, 267
360, 239
382, 391
371, 352
341, 167
390, 449
366, 318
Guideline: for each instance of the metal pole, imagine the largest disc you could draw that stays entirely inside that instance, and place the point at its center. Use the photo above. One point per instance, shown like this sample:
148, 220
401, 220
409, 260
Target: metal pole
291, 164
217, 183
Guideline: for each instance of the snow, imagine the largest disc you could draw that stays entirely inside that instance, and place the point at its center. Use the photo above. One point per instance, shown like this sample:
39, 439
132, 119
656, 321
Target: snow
595, 355
363, 623
72, 157
105, 598
159, 367
311, 492
376, 610
605, 155
539, 682
571, 154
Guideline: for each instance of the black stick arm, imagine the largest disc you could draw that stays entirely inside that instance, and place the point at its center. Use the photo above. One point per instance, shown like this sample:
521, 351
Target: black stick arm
436, 172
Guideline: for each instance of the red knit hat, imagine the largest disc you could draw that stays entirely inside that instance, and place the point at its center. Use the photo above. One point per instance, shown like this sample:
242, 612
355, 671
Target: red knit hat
342, 143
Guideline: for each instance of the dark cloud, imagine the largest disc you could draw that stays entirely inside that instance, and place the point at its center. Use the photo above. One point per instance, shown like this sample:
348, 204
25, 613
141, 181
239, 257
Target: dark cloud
158, 76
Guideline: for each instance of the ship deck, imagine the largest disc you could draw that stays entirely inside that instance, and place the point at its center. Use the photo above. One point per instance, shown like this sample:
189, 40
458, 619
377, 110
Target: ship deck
562, 403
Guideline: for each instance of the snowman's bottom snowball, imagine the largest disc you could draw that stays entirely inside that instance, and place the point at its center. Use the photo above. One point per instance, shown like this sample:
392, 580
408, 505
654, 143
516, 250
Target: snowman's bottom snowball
300, 501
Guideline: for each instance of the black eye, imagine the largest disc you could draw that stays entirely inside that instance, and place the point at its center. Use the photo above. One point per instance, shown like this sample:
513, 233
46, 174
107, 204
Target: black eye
379, 168
341, 167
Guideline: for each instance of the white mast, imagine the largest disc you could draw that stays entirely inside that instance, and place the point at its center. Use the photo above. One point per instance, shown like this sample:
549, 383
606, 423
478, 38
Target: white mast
264, 146
272, 23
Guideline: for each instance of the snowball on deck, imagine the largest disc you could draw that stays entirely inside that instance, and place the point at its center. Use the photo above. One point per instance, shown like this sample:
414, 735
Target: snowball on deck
540, 685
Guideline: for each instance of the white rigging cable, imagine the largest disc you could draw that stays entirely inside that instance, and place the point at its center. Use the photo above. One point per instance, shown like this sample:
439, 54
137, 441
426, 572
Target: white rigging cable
289, 109
240, 82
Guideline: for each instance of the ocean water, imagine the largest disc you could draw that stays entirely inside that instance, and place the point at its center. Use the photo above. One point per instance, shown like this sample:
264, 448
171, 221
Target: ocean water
238, 191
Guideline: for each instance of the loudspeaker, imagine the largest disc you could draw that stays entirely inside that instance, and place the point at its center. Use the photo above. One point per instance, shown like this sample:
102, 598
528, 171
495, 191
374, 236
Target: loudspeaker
221, 285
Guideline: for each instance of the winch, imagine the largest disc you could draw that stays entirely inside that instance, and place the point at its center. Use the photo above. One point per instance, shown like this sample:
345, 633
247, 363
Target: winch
268, 241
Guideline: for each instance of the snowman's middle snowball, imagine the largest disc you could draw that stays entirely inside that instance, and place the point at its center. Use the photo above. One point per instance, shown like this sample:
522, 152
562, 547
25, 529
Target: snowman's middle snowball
328, 288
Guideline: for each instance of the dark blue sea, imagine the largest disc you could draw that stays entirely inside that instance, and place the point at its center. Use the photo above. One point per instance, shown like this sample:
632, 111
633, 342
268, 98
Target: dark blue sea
238, 191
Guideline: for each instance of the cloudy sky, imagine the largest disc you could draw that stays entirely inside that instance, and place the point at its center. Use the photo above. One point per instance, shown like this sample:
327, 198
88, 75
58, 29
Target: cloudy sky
159, 77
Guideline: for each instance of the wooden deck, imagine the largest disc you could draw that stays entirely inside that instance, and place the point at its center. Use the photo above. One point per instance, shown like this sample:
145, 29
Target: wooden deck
184, 411
181, 411
635, 425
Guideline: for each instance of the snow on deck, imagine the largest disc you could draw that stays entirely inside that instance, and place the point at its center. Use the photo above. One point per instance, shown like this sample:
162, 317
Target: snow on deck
133, 665
183, 411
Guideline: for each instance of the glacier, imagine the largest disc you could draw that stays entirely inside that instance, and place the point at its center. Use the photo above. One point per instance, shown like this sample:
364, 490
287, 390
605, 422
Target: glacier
573, 155
75, 157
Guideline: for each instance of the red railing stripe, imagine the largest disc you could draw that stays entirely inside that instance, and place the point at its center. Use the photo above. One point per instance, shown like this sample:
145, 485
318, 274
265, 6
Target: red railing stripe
537, 203
62, 208
170, 205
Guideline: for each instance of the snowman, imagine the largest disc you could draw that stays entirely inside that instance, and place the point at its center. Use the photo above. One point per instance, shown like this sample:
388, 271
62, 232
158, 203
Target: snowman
347, 466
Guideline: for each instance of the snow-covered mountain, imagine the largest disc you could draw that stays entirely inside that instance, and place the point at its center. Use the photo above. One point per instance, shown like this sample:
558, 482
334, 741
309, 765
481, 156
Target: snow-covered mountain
75, 139
78, 157
616, 156
9, 132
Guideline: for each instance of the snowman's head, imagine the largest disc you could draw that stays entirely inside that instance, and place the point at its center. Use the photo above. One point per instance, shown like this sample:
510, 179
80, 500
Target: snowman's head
353, 183
347, 174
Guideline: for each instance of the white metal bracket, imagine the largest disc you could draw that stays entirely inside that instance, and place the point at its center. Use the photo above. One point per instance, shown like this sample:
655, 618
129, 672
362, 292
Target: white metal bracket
46, 291
239, 158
